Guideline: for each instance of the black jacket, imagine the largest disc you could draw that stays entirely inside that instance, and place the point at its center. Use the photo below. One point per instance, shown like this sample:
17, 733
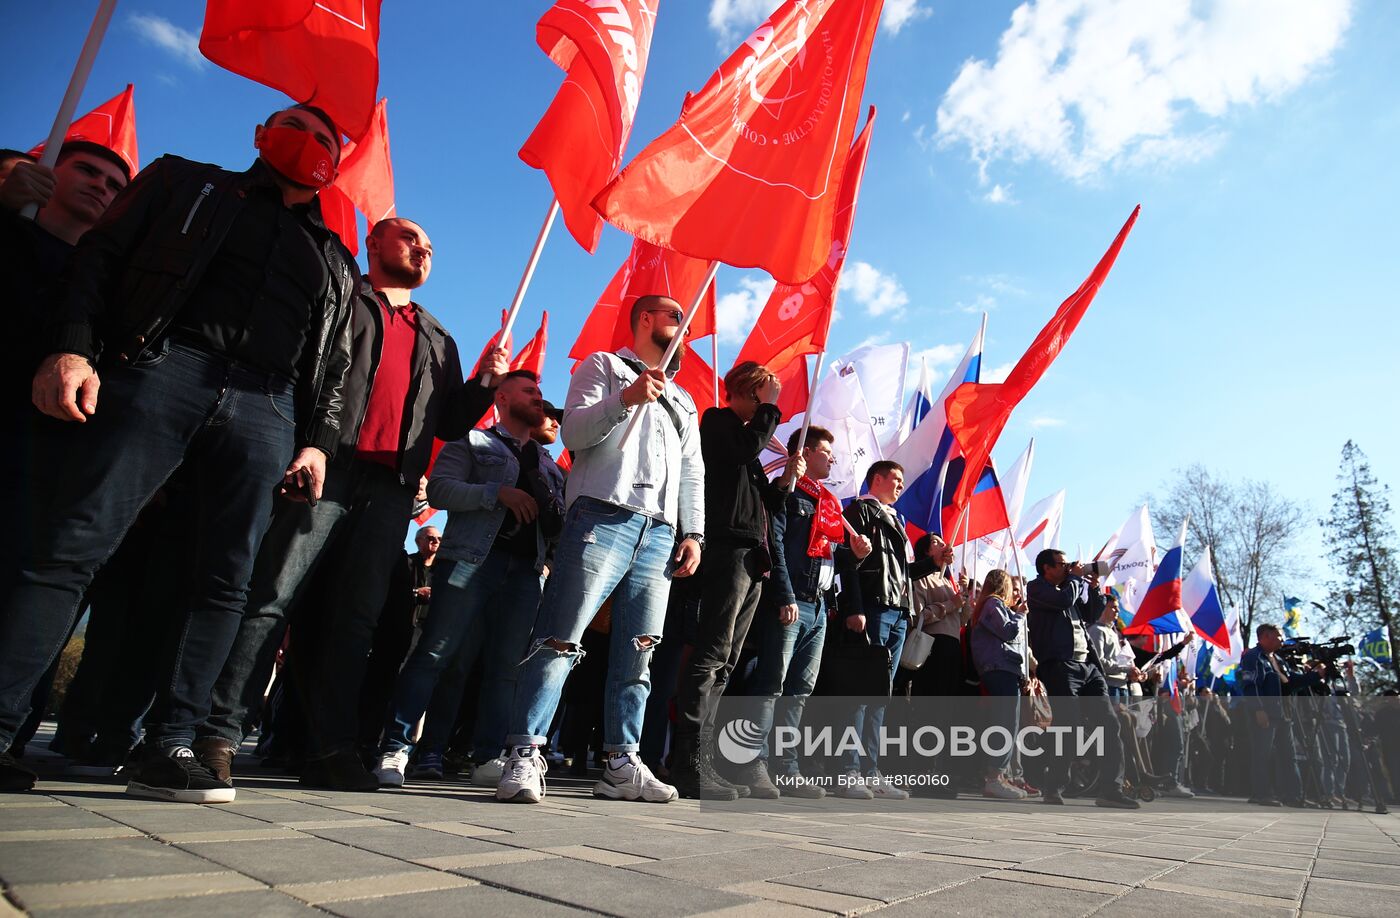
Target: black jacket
131, 274
439, 403
735, 486
884, 577
1052, 610
796, 575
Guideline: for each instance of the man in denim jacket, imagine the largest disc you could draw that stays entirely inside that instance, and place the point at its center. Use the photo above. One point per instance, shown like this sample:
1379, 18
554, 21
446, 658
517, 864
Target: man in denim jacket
504, 498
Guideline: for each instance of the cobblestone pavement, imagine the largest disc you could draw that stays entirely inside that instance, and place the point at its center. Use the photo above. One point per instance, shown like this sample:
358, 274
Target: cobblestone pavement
443, 848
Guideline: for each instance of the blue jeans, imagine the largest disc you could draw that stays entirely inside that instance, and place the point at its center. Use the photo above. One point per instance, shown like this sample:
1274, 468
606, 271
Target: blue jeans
485, 610
604, 551
233, 429
1003, 706
885, 627
789, 657
357, 527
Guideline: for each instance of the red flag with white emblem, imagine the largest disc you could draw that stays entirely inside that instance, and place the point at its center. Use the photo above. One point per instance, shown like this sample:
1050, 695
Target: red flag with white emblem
112, 125
648, 270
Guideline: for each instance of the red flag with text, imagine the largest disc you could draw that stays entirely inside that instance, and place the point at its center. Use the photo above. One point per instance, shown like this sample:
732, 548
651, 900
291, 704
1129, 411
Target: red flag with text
112, 125
648, 270
751, 173
322, 52
797, 318
603, 48
977, 412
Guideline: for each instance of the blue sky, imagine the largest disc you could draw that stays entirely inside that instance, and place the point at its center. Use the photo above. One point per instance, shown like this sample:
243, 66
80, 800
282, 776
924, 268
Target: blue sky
1250, 323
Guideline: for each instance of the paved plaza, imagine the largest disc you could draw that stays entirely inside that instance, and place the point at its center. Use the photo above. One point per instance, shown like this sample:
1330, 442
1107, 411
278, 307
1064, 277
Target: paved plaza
86, 849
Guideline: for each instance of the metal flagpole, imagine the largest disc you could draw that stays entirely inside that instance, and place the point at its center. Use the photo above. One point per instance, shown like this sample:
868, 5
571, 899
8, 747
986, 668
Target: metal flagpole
76, 83
714, 357
807, 415
525, 280
675, 345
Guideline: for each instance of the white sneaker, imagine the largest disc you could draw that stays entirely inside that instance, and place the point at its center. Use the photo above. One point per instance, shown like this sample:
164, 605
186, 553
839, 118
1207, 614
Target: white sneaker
1180, 791
488, 773
391, 767
883, 788
854, 787
633, 781
522, 780
998, 789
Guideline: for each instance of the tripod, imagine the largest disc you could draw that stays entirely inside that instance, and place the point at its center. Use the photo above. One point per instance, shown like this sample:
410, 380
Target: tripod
1367, 750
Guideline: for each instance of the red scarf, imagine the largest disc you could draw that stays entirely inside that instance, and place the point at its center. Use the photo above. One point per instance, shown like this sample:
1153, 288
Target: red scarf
827, 529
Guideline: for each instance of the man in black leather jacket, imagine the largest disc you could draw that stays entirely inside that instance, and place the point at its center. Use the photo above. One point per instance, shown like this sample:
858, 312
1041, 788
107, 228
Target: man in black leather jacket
216, 306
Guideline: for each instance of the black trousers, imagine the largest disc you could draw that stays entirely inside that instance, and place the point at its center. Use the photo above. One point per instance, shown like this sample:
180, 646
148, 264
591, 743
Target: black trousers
1084, 682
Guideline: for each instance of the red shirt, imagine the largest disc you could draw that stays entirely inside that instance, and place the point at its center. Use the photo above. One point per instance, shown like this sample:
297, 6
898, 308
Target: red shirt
381, 433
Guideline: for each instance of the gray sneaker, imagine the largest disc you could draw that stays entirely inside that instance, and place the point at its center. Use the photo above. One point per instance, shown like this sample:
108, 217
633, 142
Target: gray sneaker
488, 773
522, 780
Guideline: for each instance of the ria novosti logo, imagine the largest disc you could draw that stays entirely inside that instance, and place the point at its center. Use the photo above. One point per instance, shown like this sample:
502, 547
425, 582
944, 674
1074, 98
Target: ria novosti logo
740, 741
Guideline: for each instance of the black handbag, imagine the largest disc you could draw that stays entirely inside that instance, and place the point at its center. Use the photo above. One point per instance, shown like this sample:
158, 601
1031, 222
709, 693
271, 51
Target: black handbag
851, 665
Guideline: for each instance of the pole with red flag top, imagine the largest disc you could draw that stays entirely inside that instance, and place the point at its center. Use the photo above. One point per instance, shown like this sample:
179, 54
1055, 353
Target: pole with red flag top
675, 344
76, 84
525, 280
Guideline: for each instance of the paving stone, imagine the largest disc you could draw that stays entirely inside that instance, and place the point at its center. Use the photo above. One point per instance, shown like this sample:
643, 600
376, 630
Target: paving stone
1360, 857
989, 896
1277, 884
1158, 850
305, 860
407, 842
1350, 900
818, 899
1360, 872
728, 868
593, 886
1009, 852
1238, 856
1259, 843
372, 887
1142, 902
888, 880
70, 861
37, 896
453, 903
262, 904
1099, 865
49, 818
182, 817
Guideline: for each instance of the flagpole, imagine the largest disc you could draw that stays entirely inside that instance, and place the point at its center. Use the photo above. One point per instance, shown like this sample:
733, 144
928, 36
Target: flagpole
807, 415
714, 358
525, 281
675, 344
76, 84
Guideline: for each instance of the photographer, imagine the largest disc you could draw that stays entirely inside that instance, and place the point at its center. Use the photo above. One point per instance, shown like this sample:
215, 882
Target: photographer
1264, 678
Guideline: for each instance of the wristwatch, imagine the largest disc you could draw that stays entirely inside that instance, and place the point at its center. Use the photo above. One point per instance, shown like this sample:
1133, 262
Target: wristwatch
699, 539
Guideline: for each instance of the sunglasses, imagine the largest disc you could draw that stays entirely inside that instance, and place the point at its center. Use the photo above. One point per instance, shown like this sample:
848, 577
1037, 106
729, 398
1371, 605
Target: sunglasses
674, 314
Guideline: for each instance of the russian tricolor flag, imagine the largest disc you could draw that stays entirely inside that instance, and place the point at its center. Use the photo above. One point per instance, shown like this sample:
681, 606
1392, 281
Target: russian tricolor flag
1201, 602
985, 513
1159, 612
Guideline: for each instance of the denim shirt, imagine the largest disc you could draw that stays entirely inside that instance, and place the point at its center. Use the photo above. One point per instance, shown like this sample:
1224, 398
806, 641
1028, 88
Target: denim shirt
467, 476
999, 640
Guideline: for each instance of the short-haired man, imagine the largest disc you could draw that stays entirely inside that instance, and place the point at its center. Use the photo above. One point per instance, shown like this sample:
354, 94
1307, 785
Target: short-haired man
403, 389
1264, 677
876, 599
217, 306
8, 160
1063, 606
635, 519
504, 498
807, 539
548, 431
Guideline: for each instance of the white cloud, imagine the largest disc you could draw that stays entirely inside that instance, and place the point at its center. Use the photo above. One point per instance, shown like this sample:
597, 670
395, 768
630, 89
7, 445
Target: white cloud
997, 374
732, 18
1000, 194
738, 310
940, 359
1041, 423
878, 292
1086, 85
980, 303
164, 34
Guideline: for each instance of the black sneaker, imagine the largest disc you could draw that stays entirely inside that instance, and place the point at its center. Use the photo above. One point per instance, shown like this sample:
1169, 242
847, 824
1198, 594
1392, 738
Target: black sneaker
341, 772
175, 774
14, 777
1117, 800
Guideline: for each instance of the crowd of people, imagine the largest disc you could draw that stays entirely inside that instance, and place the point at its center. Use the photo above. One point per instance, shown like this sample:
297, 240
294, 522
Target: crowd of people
224, 431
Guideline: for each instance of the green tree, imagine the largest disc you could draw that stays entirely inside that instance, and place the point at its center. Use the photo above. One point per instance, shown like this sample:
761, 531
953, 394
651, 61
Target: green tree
1361, 547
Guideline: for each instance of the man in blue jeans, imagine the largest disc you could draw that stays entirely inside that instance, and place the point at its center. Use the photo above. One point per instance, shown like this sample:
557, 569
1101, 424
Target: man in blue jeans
504, 498
635, 519
1264, 678
216, 306
807, 537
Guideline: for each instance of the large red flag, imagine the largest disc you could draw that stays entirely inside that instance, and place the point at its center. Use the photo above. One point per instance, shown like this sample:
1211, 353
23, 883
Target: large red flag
338, 212
648, 270
797, 318
366, 170
977, 412
324, 52
697, 377
112, 125
751, 173
603, 47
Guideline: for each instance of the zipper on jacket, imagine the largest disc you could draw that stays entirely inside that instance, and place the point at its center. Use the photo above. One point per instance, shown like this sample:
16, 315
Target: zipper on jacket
189, 218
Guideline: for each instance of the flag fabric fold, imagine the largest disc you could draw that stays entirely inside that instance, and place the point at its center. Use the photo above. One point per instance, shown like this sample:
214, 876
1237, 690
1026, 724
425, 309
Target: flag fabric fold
1040, 526
1201, 602
1160, 611
751, 173
367, 171
112, 125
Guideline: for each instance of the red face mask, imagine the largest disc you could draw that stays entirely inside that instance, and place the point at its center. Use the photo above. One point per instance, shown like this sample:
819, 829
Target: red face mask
297, 156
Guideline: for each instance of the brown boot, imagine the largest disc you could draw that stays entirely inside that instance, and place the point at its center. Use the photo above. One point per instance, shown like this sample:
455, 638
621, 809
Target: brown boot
216, 754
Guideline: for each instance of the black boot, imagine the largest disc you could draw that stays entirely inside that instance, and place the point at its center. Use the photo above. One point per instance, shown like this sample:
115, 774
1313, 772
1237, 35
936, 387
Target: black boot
706, 764
754, 776
689, 777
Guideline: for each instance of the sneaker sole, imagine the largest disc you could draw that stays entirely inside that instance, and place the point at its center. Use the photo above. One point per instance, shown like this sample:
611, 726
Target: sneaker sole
605, 791
219, 795
524, 795
392, 779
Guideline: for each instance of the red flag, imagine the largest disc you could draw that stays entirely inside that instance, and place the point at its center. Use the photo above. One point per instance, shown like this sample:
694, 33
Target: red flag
977, 412
797, 318
750, 175
112, 125
603, 47
323, 52
648, 270
531, 357
338, 212
366, 171
698, 378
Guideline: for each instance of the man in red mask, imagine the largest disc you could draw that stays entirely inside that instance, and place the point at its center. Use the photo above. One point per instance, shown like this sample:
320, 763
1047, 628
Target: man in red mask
211, 310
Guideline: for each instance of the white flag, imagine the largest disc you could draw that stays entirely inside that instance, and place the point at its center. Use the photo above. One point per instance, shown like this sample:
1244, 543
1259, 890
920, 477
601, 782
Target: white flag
1134, 558
1039, 528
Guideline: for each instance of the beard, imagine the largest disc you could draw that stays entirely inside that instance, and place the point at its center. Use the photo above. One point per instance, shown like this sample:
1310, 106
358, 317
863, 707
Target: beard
662, 337
404, 275
528, 414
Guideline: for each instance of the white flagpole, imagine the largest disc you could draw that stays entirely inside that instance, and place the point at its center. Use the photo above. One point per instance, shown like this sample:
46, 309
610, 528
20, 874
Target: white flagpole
76, 84
714, 359
525, 280
676, 343
807, 415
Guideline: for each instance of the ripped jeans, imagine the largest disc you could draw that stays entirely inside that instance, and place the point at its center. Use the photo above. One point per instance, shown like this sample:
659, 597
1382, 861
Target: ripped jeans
604, 550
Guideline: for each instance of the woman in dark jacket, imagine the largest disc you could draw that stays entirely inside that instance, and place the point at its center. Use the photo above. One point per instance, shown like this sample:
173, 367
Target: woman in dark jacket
999, 652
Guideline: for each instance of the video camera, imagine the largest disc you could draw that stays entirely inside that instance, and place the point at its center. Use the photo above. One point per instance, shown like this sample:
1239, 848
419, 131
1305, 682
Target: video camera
1328, 651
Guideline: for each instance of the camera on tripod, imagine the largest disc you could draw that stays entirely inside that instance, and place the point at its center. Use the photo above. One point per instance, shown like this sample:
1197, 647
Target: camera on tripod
1329, 651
